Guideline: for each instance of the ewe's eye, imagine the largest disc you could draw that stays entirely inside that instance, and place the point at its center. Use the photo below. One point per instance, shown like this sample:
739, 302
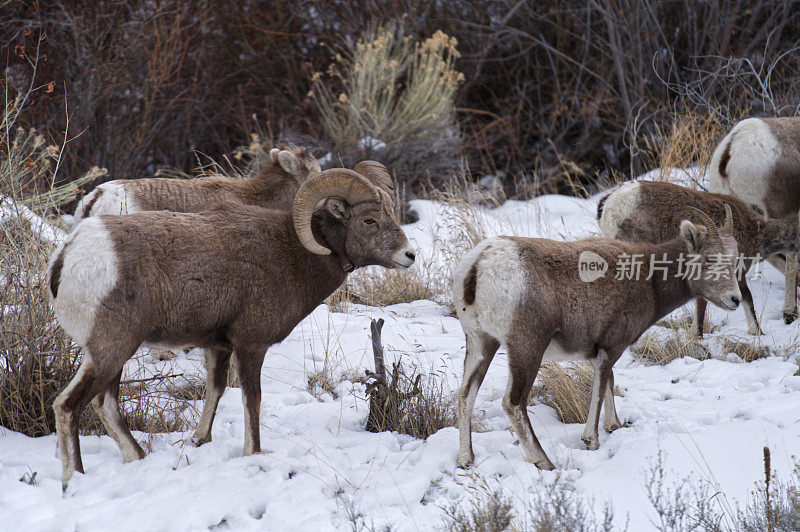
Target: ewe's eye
369, 221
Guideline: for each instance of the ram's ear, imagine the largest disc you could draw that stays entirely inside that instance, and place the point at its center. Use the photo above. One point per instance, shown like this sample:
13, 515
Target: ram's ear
693, 235
273, 155
338, 207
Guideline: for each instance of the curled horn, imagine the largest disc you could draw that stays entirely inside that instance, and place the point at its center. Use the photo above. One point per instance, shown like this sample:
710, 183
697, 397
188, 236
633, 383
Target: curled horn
712, 228
727, 227
378, 175
335, 182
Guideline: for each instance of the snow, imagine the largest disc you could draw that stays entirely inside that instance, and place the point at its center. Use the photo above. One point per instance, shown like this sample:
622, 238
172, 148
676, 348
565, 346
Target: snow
709, 418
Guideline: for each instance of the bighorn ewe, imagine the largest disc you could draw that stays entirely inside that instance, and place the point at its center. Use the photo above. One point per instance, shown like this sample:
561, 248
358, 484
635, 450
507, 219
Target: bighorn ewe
233, 279
648, 211
528, 295
759, 163
272, 186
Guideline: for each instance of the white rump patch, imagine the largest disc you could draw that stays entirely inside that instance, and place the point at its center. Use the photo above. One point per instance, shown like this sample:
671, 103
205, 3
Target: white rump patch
499, 288
114, 200
754, 150
618, 207
89, 272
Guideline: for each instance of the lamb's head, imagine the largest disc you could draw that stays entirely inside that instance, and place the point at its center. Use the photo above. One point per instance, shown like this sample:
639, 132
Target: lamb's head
360, 228
297, 161
714, 252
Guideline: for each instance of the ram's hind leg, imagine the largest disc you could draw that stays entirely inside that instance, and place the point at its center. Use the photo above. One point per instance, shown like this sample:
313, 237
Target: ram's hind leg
480, 351
524, 359
217, 363
106, 404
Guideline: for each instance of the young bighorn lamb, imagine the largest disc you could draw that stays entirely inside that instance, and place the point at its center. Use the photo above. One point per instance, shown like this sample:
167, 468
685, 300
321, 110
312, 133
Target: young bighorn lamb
649, 211
528, 294
759, 163
233, 279
272, 186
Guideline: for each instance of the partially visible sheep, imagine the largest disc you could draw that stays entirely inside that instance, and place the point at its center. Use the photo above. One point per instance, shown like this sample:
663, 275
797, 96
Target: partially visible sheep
759, 163
649, 211
272, 186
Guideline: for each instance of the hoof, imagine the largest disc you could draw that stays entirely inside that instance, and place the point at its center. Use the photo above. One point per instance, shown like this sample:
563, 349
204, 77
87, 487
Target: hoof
466, 463
591, 443
613, 426
197, 442
789, 318
544, 465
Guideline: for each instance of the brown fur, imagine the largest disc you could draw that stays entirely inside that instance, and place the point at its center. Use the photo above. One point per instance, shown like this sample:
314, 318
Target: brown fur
233, 279
87, 208
470, 283
270, 187
726, 156
55, 272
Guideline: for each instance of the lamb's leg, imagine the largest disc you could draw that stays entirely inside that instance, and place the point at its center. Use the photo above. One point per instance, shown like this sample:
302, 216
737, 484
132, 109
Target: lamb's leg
602, 371
106, 404
248, 367
217, 363
790, 296
699, 316
749, 308
611, 421
523, 363
67, 407
480, 352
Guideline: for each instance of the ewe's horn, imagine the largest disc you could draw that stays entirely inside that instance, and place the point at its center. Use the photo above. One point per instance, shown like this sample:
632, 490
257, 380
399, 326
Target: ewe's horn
727, 227
712, 228
335, 182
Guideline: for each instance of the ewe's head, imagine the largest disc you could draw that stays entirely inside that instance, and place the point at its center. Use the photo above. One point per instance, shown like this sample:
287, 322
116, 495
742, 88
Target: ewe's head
297, 162
714, 250
360, 206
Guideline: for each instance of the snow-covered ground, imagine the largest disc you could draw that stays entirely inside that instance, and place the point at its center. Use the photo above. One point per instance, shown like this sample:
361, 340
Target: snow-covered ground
710, 419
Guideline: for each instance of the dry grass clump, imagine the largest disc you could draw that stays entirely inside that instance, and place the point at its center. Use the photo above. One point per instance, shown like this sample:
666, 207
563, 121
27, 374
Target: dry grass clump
488, 511
654, 350
320, 382
688, 138
390, 98
411, 403
566, 388
747, 351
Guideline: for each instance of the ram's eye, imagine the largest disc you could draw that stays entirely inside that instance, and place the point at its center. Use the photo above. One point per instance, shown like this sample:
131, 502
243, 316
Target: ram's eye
369, 221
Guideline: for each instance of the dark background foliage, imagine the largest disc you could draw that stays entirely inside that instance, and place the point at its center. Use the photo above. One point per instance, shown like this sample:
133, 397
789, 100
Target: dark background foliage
556, 91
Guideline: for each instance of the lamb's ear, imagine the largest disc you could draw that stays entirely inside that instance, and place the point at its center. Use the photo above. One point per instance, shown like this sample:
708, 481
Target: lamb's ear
289, 162
693, 235
273, 155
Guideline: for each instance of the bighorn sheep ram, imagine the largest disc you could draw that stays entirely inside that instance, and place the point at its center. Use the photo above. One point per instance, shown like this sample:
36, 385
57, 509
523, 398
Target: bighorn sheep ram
272, 186
233, 279
650, 211
759, 163
528, 295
